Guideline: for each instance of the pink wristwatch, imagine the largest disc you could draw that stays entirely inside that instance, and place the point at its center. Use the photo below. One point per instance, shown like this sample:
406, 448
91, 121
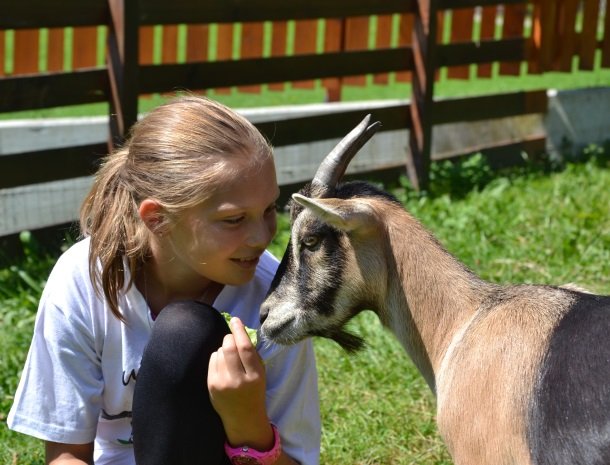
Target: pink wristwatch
245, 455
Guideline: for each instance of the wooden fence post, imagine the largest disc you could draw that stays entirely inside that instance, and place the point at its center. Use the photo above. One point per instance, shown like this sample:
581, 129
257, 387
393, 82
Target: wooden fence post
123, 66
422, 96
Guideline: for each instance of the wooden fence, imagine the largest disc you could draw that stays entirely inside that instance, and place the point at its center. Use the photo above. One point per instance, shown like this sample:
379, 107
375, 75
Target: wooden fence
69, 52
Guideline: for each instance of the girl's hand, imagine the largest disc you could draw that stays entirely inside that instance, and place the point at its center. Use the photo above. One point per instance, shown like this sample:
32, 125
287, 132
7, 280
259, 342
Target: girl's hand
236, 383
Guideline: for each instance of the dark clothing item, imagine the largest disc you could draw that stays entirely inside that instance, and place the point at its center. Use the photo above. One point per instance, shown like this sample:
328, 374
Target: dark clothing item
174, 422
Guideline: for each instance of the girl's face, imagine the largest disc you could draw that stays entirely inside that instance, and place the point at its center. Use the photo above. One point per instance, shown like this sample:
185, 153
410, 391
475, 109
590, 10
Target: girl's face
223, 238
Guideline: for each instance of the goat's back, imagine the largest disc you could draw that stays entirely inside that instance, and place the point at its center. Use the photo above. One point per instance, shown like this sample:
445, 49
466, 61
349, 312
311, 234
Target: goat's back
569, 419
529, 381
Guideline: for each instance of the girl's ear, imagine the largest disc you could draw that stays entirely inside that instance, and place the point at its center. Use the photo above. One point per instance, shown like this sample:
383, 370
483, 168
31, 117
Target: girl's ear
151, 214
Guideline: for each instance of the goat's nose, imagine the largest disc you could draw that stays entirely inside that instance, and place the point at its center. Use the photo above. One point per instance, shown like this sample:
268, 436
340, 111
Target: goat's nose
264, 313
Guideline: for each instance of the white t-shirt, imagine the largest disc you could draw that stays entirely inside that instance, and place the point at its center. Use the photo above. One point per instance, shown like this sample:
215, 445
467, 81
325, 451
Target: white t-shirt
78, 381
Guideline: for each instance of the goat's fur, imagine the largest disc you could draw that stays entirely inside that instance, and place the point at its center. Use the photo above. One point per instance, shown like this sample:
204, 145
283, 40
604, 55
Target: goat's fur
521, 373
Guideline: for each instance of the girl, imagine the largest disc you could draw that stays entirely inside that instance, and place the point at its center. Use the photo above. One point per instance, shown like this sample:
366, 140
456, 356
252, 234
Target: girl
131, 361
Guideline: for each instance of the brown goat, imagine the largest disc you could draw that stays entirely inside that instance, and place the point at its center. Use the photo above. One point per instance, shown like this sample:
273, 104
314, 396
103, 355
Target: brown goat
521, 373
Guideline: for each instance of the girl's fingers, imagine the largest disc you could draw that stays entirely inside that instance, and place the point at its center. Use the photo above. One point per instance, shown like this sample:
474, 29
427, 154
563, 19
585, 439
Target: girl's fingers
248, 355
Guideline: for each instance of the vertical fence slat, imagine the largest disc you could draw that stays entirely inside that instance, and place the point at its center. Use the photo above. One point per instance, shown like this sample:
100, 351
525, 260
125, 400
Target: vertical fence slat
305, 39
197, 42
84, 47
279, 34
252, 38
588, 36
333, 42
543, 35
25, 51
567, 35
606, 40
55, 49
383, 39
424, 59
2, 57
123, 69
487, 32
146, 52
514, 15
405, 38
224, 49
356, 38
169, 50
461, 31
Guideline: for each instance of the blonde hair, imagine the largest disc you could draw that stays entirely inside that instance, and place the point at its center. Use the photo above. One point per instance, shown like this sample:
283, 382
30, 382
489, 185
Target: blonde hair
178, 154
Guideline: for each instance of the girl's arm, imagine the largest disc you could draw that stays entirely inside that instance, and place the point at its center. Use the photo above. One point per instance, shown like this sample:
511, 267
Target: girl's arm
68, 454
236, 382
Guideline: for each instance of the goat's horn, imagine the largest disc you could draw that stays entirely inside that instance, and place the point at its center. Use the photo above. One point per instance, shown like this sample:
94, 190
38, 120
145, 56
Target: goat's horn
333, 167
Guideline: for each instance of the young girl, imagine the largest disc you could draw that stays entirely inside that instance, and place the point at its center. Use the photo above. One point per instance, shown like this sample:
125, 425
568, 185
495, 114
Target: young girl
131, 360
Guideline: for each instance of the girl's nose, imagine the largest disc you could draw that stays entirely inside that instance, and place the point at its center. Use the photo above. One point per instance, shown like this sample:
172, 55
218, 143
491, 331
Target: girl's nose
261, 234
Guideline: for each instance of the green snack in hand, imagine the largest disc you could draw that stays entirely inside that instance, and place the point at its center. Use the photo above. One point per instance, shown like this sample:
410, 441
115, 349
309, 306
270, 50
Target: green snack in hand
251, 332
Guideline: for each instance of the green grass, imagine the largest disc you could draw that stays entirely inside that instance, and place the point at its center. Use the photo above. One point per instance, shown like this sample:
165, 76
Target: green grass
530, 225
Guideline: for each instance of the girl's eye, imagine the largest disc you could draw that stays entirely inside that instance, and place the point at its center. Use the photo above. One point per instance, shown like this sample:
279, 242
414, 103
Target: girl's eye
236, 220
311, 241
271, 209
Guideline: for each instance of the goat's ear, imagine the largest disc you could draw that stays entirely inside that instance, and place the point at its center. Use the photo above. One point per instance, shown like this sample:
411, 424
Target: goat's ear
346, 215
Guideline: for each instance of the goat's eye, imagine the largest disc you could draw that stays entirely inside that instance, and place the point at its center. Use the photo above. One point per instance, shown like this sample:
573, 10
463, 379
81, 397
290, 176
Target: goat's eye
311, 241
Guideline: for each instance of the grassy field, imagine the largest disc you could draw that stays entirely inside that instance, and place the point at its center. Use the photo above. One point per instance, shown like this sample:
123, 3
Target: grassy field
529, 225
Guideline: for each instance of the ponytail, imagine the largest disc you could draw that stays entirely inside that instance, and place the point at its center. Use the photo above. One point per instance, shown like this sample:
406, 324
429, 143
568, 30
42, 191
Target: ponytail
109, 216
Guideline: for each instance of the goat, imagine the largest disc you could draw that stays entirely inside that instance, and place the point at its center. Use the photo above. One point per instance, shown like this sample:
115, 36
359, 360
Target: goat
521, 373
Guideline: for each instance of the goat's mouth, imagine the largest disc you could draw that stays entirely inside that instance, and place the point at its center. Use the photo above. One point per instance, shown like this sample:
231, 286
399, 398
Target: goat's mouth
280, 332
286, 332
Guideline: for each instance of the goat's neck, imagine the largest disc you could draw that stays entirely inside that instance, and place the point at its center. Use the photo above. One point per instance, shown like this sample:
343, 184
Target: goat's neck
431, 295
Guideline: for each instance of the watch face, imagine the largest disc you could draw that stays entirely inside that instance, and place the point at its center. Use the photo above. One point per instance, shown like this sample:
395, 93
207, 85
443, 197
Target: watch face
244, 460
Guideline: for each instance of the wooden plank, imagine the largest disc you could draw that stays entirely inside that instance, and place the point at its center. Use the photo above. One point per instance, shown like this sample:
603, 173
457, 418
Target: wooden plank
606, 40
487, 32
567, 35
26, 14
53, 90
425, 65
123, 69
84, 47
55, 50
197, 42
356, 38
229, 11
462, 21
305, 39
489, 106
2, 46
588, 36
163, 78
405, 39
252, 38
42, 13
330, 125
25, 51
224, 48
51, 165
279, 35
512, 50
383, 39
514, 16
146, 49
333, 42
545, 34
169, 41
